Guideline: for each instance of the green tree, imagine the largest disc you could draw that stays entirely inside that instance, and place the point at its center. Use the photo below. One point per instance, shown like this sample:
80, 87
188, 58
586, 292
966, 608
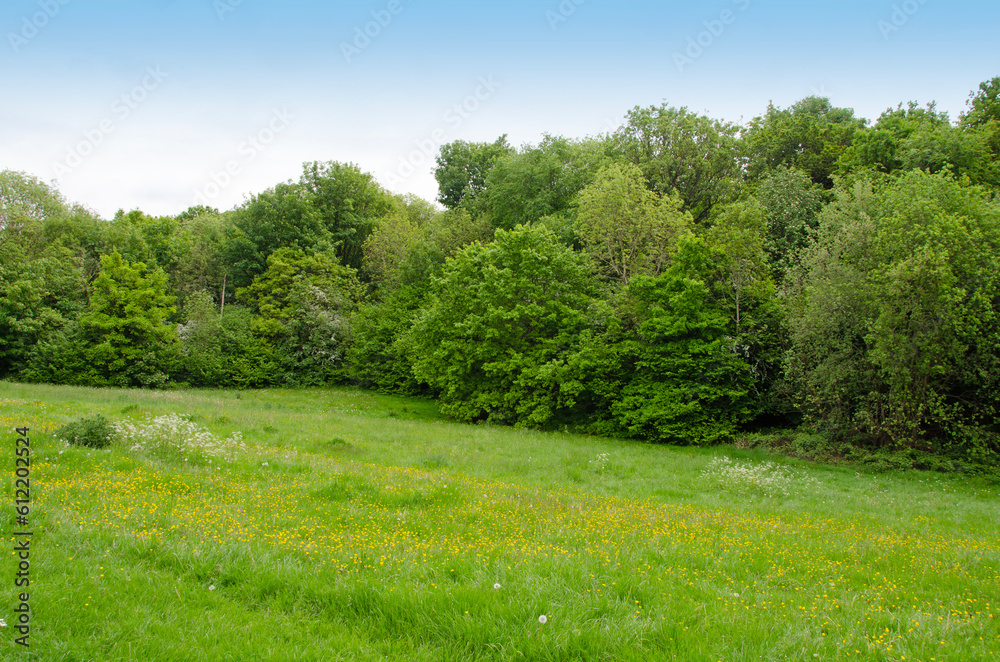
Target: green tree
679, 151
25, 203
894, 328
791, 203
348, 203
540, 182
332, 206
501, 322
200, 266
811, 136
462, 168
284, 216
38, 298
983, 116
690, 381
202, 360
743, 272
629, 229
378, 357
129, 341
984, 104
304, 304
388, 245
922, 138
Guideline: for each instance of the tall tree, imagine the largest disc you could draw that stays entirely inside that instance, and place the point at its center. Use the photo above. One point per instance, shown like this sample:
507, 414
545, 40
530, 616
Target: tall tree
628, 228
983, 115
25, 203
304, 304
462, 168
984, 104
810, 135
129, 341
542, 181
679, 151
348, 204
895, 326
924, 139
792, 203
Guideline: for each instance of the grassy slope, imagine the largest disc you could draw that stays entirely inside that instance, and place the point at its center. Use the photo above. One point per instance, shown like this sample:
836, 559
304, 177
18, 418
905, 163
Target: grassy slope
358, 526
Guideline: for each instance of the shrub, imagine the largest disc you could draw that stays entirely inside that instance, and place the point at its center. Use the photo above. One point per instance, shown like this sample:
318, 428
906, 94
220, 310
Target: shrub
764, 478
173, 437
93, 432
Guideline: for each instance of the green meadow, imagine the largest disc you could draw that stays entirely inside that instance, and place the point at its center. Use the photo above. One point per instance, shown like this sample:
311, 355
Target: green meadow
337, 524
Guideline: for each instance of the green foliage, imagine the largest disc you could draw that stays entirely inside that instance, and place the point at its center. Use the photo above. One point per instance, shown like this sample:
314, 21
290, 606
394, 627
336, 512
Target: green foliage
682, 153
462, 168
348, 204
203, 362
251, 361
37, 299
57, 358
629, 229
501, 322
200, 264
129, 342
304, 304
438, 240
25, 204
539, 182
376, 357
884, 330
894, 326
389, 244
333, 205
283, 216
92, 432
692, 383
924, 139
142, 238
792, 204
984, 104
810, 136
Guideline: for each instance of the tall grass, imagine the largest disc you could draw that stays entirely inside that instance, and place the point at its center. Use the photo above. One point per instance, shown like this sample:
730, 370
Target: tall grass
337, 524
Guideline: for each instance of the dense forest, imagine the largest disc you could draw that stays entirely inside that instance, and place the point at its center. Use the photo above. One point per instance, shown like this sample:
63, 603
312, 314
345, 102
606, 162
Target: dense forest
679, 280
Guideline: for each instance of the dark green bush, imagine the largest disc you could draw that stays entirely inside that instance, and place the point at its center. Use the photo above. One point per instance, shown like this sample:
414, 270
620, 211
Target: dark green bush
93, 432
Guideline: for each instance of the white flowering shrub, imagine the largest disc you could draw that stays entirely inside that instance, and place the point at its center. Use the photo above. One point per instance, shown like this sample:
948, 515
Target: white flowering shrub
175, 437
765, 478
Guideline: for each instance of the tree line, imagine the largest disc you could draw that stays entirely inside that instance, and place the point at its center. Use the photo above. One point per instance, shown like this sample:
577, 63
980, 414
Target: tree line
678, 280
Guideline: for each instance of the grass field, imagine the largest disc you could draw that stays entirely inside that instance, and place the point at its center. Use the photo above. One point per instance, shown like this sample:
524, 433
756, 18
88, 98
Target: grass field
336, 524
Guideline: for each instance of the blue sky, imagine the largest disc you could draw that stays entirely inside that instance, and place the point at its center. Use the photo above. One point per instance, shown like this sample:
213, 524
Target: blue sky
161, 104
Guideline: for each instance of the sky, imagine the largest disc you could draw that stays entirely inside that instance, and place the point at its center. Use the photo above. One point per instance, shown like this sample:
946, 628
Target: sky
159, 105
